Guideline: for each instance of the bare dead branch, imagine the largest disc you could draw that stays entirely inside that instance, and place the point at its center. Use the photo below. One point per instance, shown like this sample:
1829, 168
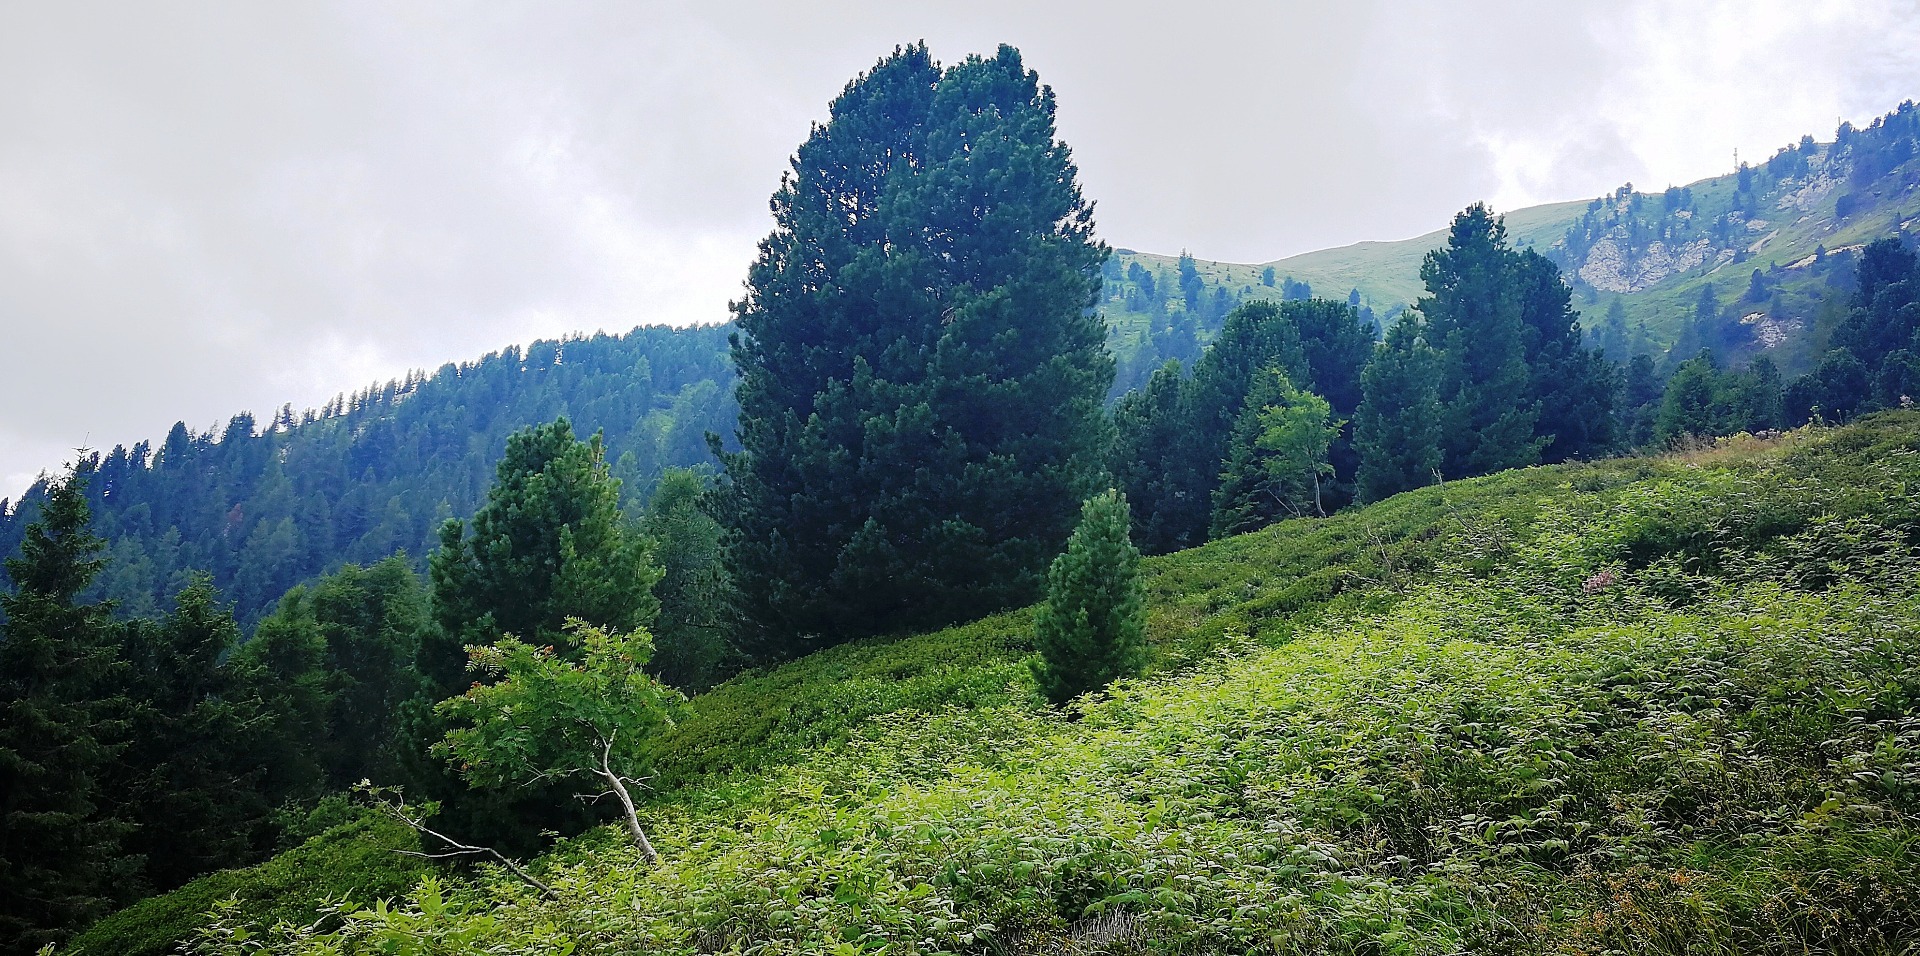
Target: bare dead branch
398, 810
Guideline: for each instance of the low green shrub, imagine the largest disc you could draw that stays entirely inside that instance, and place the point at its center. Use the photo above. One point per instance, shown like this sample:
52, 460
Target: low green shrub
354, 862
1663, 706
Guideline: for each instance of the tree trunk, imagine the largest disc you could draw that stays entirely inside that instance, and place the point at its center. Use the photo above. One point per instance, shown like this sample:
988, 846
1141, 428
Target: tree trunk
619, 788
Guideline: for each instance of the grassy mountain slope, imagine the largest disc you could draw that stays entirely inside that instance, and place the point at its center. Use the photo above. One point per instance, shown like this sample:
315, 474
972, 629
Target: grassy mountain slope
1386, 273
1794, 218
1647, 704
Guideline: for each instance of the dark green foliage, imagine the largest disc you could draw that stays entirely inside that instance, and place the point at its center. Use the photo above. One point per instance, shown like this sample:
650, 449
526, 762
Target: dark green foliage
1754, 398
351, 641
549, 544
1174, 438
191, 780
1897, 384
1153, 460
1690, 405
275, 502
1576, 387
61, 859
1473, 320
1191, 285
1640, 406
692, 637
357, 861
1836, 390
921, 374
1092, 628
1611, 337
1277, 461
1397, 427
1873, 363
1517, 383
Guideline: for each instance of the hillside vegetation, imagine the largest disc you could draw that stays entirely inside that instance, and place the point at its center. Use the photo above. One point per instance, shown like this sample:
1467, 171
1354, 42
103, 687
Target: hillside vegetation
1472, 703
269, 503
262, 504
1794, 219
1642, 705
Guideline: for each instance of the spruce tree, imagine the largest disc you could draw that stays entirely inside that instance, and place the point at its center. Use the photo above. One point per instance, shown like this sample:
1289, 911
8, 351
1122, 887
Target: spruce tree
1882, 328
1574, 387
1153, 460
192, 779
60, 851
1092, 628
1641, 405
361, 629
922, 376
1397, 428
1473, 320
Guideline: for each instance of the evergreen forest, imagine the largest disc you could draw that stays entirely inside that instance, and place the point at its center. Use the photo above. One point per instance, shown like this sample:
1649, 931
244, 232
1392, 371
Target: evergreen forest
979, 587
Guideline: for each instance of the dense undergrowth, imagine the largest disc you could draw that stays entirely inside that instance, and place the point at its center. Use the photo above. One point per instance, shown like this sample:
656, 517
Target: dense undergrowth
355, 860
1644, 705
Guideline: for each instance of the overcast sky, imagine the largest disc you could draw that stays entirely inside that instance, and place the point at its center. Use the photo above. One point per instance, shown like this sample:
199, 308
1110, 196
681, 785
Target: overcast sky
206, 208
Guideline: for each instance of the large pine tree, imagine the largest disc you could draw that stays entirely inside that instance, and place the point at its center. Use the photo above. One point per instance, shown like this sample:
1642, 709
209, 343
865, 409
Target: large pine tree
1517, 384
193, 780
921, 372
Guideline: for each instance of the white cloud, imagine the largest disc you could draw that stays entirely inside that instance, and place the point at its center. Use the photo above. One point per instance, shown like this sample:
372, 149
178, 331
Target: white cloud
208, 207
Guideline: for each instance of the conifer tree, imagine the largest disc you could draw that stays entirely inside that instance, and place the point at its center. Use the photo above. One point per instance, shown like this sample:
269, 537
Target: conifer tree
1517, 382
1174, 439
1277, 462
921, 374
1641, 405
1473, 320
1574, 387
361, 630
1153, 460
1397, 428
692, 637
1882, 327
191, 778
1691, 403
60, 851
1092, 628
549, 544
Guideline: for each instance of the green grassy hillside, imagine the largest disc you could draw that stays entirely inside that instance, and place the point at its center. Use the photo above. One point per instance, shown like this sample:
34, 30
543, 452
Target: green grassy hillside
1794, 218
1650, 705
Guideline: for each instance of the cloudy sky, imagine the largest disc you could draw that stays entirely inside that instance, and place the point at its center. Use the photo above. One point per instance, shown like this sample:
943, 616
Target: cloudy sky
206, 208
